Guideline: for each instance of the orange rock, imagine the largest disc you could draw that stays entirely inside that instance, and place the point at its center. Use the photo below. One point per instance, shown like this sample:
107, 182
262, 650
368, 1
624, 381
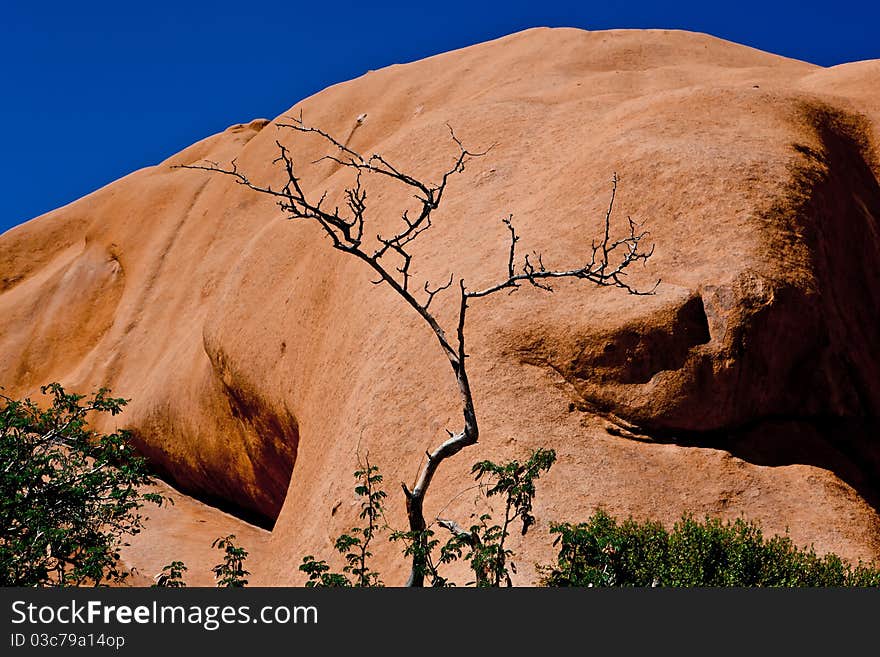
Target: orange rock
258, 360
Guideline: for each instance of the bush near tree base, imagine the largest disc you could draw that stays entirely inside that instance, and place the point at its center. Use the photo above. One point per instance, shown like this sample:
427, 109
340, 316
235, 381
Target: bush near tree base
708, 553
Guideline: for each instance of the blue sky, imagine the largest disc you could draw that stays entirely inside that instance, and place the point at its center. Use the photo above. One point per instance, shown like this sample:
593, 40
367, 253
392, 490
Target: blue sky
95, 90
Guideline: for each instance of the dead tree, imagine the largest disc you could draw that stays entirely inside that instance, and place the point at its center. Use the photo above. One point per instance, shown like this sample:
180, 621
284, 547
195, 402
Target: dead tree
390, 258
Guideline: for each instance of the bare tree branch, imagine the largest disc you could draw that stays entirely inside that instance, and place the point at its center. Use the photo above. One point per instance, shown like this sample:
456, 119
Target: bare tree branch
432, 293
458, 531
603, 271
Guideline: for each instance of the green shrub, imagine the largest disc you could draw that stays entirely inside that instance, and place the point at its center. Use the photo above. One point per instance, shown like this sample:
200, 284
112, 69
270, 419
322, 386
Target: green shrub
605, 552
69, 495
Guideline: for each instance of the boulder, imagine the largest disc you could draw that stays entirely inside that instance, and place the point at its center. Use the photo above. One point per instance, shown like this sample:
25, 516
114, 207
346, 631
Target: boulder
259, 361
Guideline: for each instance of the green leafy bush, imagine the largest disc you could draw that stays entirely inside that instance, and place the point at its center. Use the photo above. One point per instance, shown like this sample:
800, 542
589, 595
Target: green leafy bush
604, 552
68, 495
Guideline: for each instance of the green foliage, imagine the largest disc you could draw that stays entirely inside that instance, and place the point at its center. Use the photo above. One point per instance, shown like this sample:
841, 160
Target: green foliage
171, 576
516, 482
419, 548
484, 545
320, 575
68, 495
603, 552
355, 545
231, 572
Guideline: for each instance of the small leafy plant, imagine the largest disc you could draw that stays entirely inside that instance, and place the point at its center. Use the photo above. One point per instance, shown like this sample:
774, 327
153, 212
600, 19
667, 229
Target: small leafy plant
354, 546
171, 576
483, 546
230, 573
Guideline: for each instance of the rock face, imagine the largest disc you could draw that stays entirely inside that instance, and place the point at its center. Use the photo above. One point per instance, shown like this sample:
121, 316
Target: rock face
259, 360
